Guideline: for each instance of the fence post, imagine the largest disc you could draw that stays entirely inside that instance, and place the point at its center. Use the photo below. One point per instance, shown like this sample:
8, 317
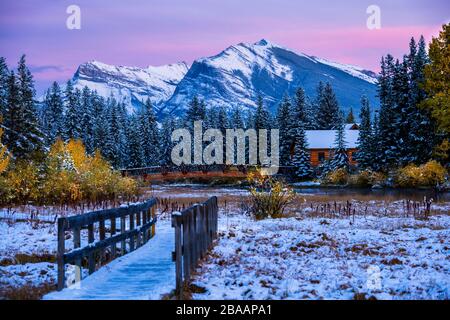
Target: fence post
178, 254
61, 250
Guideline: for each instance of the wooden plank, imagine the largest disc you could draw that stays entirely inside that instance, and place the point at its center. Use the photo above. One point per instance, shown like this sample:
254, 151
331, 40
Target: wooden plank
76, 245
178, 259
83, 252
60, 254
186, 246
91, 255
131, 228
113, 232
122, 230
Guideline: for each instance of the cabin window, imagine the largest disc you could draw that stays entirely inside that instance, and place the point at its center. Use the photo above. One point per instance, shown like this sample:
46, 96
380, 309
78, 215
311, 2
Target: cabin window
321, 156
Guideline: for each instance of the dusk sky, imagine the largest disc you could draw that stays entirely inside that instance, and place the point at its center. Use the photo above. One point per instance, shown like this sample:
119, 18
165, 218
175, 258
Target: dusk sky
155, 32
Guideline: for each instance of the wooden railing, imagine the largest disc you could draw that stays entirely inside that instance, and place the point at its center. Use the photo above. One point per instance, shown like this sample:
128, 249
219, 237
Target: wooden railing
141, 220
195, 230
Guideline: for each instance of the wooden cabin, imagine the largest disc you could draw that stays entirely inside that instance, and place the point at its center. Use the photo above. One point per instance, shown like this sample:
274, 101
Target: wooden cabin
322, 141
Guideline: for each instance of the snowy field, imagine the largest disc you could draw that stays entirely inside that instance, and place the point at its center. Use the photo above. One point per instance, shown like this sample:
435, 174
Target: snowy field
378, 253
315, 258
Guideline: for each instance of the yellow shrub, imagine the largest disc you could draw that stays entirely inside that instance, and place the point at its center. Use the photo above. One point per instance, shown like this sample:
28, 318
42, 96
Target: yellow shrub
24, 181
4, 156
269, 197
427, 175
366, 178
338, 177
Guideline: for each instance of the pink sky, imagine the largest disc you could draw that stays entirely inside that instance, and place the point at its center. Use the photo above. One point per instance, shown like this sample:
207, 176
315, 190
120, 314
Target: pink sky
154, 32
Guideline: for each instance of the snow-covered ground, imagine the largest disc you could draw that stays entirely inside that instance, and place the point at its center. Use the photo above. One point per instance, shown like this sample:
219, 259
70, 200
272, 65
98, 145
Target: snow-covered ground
316, 258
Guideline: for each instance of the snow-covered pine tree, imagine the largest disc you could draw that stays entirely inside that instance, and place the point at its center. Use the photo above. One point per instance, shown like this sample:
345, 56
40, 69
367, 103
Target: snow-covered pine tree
350, 117
136, 143
301, 158
261, 118
87, 120
387, 144
149, 133
364, 155
166, 145
236, 121
328, 108
73, 117
23, 134
284, 124
4, 76
196, 111
115, 147
100, 114
53, 114
340, 158
422, 128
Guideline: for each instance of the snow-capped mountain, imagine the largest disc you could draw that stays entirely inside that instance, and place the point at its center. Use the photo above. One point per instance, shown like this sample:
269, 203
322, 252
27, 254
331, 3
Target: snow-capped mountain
130, 84
234, 77
237, 75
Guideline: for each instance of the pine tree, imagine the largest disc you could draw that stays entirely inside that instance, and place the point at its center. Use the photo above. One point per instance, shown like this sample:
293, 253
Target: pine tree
301, 159
350, 117
87, 120
262, 116
387, 144
150, 136
166, 145
4, 76
136, 143
115, 147
23, 134
328, 108
284, 124
236, 121
364, 156
72, 117
100, 131
340, 158
53, 114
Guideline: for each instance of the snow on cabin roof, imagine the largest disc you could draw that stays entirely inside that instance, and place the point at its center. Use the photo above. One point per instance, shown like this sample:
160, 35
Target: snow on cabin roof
324, 139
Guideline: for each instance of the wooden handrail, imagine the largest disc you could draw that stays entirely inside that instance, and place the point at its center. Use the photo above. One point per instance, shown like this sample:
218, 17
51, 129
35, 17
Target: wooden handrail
141, 221
195, 230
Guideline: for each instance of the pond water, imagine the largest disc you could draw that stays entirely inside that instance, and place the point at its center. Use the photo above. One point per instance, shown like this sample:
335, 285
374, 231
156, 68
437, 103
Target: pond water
195, 191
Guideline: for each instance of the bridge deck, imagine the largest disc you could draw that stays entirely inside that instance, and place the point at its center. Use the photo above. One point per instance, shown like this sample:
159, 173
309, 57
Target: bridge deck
146, 273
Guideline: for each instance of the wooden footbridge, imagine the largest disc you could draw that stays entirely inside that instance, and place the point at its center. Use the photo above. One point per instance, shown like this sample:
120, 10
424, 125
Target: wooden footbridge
128, 253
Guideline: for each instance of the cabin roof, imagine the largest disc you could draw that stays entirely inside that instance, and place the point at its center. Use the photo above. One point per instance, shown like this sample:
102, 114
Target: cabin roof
324, 139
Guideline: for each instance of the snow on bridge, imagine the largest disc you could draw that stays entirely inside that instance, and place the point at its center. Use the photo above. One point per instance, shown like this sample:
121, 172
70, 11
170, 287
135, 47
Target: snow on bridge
146, 273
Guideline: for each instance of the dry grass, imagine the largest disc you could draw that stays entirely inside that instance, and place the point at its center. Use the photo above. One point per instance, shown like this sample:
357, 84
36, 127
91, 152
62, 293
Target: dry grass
27, 292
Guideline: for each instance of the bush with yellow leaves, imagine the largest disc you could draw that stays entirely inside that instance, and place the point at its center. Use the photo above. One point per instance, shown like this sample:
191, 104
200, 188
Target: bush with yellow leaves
429, 174
366, 178
337, 177
68, 176
269, 197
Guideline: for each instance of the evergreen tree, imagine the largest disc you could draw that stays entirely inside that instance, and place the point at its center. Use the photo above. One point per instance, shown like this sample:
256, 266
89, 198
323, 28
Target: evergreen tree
87, 120
284, 124
364, 155
149, 132
166, 145
387, 144
4, 77
340, 158
53, 114
350, 117
116, 142
72, 117
236, 121
301, 159
196, 111
135, 150
23, 134
100, 128
328, 108
262, 116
